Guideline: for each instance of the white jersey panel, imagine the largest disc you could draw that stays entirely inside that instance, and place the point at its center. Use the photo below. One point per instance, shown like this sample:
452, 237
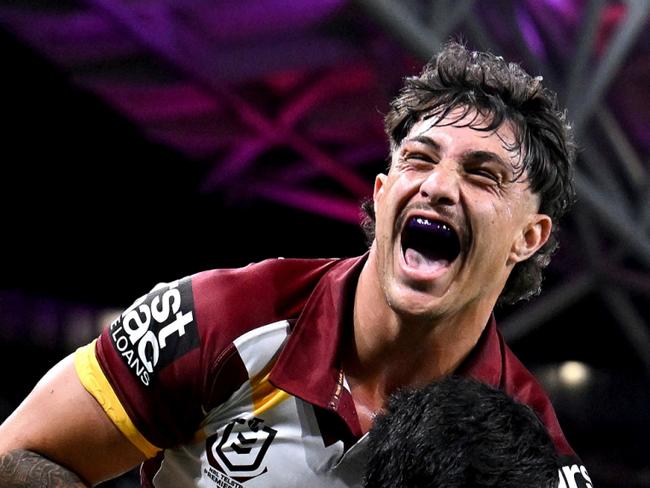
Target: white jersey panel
261, 437
259, 346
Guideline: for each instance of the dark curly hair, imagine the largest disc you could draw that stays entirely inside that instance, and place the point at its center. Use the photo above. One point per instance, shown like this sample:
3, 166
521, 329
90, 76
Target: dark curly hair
498, 92
458, 433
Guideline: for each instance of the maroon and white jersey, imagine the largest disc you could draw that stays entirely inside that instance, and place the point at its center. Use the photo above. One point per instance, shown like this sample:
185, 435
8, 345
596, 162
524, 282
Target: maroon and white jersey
232, 378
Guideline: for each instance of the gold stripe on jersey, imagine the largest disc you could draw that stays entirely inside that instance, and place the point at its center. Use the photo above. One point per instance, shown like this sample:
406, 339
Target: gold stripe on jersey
93, 379
265, 395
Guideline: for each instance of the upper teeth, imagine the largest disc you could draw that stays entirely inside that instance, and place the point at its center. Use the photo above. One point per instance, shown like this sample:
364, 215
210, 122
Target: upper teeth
425, 221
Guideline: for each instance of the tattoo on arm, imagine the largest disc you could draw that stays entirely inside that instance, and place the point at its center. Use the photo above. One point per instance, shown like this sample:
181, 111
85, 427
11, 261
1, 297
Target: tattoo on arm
26, 469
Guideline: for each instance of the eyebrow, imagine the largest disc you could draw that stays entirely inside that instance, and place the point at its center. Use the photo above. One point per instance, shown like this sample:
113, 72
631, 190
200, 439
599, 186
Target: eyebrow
467, 155
427, 141
480, 156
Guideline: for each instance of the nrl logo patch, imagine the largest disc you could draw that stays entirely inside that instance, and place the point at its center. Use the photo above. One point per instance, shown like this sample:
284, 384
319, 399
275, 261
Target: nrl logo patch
238, 451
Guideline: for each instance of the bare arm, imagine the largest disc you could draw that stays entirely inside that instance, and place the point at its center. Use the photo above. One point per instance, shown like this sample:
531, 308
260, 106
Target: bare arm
60, 436
26, 469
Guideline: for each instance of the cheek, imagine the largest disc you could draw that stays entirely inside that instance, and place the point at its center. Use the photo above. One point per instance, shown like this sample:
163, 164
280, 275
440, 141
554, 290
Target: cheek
494, 228
397, 191
502, 215
485, 214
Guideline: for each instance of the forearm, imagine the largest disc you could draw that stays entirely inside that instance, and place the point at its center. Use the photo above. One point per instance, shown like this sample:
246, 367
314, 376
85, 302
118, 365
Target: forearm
26, 469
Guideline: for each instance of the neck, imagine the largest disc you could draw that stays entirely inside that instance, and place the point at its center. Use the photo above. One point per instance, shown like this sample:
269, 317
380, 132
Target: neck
390, 350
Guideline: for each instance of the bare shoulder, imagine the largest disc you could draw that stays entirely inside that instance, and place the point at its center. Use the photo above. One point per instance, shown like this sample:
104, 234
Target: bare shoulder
64, 423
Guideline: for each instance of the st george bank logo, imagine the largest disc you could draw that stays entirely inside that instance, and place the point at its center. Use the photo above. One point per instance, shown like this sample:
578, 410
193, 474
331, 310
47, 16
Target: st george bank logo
240, 449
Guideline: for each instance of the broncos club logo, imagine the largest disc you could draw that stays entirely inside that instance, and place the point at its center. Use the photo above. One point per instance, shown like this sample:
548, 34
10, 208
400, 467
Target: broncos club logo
239, 450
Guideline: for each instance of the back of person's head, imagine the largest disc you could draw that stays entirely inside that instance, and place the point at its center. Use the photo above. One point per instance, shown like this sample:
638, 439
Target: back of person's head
459, 433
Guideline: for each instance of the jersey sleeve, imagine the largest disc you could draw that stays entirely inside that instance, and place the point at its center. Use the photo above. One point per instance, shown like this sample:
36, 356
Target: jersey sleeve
171, 357
93, 379
146, 368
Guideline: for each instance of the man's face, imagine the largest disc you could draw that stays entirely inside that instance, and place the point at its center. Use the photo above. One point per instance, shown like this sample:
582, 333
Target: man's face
452, 220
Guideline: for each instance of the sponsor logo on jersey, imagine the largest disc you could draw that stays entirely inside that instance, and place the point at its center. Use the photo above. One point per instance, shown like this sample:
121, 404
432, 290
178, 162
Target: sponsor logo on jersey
574, 476
238, 450
156, 330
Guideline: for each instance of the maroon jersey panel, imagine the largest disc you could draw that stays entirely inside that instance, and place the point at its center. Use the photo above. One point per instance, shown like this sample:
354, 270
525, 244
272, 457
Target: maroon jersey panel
523, 387
169, 356
316, 339
231, 302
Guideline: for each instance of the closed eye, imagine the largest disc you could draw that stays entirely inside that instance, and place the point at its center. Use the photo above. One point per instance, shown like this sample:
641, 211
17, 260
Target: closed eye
488, 167
486, 173
418, 157
416, 161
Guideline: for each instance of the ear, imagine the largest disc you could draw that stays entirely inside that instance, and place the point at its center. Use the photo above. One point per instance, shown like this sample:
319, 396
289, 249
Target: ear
378, 190
533, 236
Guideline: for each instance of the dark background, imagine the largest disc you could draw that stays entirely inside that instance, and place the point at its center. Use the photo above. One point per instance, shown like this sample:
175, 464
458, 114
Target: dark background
96, 210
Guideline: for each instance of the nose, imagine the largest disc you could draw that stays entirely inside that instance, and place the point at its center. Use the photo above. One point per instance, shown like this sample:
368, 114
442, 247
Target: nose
441, 186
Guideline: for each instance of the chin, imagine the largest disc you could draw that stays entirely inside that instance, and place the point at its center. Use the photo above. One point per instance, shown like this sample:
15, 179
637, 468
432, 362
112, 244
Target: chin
414, 304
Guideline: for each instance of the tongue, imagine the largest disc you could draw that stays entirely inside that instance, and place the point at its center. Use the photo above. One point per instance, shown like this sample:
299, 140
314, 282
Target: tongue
420, 261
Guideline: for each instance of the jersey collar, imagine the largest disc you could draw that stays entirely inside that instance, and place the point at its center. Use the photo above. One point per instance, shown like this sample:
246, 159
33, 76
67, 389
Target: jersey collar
309, 366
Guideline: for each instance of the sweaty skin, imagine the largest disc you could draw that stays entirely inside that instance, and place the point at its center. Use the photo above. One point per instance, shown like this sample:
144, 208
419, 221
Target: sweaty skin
37, 444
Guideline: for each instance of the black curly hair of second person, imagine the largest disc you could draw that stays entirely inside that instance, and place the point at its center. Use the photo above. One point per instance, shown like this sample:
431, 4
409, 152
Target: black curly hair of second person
459, 433
503, 93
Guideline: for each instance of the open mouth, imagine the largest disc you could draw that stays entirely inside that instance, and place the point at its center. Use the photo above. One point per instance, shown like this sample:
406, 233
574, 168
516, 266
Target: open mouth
429, 244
